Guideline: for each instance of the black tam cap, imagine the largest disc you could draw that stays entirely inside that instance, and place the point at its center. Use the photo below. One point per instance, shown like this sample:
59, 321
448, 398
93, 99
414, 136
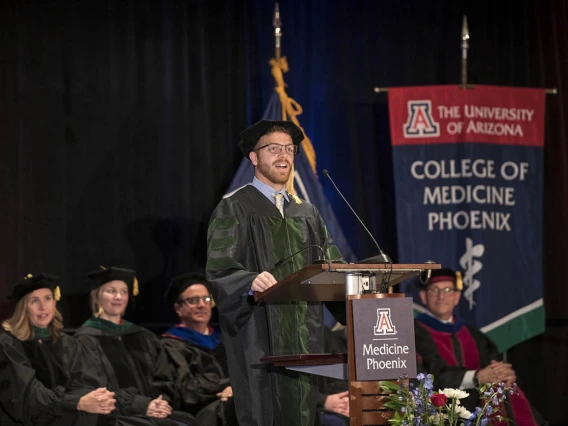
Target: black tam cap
180, 283
112, 273
35, 282
251, 135
445, 274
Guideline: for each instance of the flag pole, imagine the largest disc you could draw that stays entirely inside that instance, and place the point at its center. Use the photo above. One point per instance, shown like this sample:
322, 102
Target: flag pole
464, 47
277, 24
290, 108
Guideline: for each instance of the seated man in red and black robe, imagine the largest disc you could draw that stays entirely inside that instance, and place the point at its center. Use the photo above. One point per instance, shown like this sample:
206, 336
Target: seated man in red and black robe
468, 357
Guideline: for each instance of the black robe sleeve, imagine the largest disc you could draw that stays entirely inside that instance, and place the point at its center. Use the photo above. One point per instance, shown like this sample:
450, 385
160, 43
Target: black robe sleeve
22, 396
485, 346
197, 376
228, 250
163, 380
128, 400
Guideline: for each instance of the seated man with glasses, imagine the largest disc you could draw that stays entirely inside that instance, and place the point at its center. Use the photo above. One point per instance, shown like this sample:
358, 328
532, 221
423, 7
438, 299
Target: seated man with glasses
467, 357
196, 351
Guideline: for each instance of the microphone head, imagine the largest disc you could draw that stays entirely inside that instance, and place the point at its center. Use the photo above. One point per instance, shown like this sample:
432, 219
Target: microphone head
325, 172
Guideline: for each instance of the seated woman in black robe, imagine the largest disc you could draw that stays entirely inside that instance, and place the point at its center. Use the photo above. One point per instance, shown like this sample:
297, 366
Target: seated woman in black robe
133, 357
198, 354
44, 379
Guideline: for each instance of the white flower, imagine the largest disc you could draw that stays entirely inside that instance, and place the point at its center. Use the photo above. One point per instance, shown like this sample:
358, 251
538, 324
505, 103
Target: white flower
437, 418
456, 394
462, 412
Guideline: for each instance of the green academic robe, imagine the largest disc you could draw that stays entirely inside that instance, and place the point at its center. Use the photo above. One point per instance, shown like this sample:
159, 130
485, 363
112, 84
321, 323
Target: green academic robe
248, 235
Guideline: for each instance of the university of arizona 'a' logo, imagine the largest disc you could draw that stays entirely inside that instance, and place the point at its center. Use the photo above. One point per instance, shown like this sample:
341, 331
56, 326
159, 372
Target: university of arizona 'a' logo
420, 122
384, 325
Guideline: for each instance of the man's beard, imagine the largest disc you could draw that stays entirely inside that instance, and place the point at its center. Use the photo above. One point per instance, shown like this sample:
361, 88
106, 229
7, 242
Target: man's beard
272, 173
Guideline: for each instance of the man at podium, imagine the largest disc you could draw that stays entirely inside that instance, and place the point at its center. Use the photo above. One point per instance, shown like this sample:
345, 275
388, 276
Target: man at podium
258, 236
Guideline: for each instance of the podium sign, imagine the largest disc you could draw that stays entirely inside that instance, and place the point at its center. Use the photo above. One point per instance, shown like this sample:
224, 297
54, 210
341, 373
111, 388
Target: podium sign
384, 338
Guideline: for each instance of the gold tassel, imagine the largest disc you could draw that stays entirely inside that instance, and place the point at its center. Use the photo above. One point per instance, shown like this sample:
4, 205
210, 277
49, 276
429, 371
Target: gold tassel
459, 281
291, 108
135, 290
57, 294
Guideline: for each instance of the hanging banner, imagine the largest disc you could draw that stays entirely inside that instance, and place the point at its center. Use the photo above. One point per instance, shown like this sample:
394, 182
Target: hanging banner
468, 178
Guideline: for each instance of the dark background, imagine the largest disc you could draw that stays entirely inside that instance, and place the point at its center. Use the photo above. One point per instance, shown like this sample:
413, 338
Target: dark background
119, 124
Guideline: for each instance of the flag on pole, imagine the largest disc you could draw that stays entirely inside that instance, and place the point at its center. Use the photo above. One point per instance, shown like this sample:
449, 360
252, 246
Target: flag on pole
306, 182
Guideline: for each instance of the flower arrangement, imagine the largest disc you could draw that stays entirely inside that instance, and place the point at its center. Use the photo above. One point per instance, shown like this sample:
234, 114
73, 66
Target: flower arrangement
421, 406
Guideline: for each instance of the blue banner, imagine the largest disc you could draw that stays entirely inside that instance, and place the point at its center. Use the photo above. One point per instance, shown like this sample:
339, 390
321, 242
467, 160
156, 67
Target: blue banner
468, 178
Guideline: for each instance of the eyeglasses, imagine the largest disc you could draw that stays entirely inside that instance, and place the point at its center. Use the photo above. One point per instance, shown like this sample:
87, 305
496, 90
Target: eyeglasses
192, 301
114, 291
276, 148
443, 291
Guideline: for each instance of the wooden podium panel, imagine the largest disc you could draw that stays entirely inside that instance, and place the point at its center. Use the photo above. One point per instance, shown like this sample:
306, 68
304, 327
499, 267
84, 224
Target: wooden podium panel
326, 282
305, 359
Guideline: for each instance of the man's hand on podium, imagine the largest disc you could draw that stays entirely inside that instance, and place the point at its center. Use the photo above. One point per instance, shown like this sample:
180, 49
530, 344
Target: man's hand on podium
263, 281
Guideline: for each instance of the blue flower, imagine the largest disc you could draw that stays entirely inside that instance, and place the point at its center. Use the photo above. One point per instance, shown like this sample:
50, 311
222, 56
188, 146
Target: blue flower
484, 421
495, 400
421, 376
489, 409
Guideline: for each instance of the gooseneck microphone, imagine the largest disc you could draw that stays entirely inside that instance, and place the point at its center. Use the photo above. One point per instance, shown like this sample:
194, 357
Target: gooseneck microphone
321, 259
381, 257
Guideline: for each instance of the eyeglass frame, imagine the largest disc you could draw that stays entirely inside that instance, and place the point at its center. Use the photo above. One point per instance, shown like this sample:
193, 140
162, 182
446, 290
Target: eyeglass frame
435, 291
207, 300
295, 148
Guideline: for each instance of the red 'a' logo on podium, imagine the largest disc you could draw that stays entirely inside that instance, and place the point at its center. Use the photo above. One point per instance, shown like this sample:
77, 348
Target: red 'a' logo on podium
420, 122
384, 325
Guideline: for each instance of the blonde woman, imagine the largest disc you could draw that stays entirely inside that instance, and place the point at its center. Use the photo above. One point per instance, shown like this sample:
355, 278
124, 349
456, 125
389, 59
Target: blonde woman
44, 378
134, 361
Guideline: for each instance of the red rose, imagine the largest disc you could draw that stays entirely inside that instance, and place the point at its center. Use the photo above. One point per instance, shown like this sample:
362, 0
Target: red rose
438, 399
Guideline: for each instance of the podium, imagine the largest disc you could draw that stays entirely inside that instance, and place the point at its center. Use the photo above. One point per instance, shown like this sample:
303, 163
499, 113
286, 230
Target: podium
343, 282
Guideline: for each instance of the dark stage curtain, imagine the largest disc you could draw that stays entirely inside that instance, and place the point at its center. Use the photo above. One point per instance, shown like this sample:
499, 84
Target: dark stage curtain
119, 121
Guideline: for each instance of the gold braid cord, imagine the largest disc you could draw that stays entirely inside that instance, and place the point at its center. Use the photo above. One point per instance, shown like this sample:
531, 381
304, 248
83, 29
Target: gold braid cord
290, 110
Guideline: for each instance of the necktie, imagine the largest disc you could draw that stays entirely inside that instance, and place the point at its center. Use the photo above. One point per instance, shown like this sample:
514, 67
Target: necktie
279, 202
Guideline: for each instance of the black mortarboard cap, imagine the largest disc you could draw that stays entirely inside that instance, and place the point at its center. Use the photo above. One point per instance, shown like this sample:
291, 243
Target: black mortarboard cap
445, 274
112, 273
180, 283
35, 282
251, 135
